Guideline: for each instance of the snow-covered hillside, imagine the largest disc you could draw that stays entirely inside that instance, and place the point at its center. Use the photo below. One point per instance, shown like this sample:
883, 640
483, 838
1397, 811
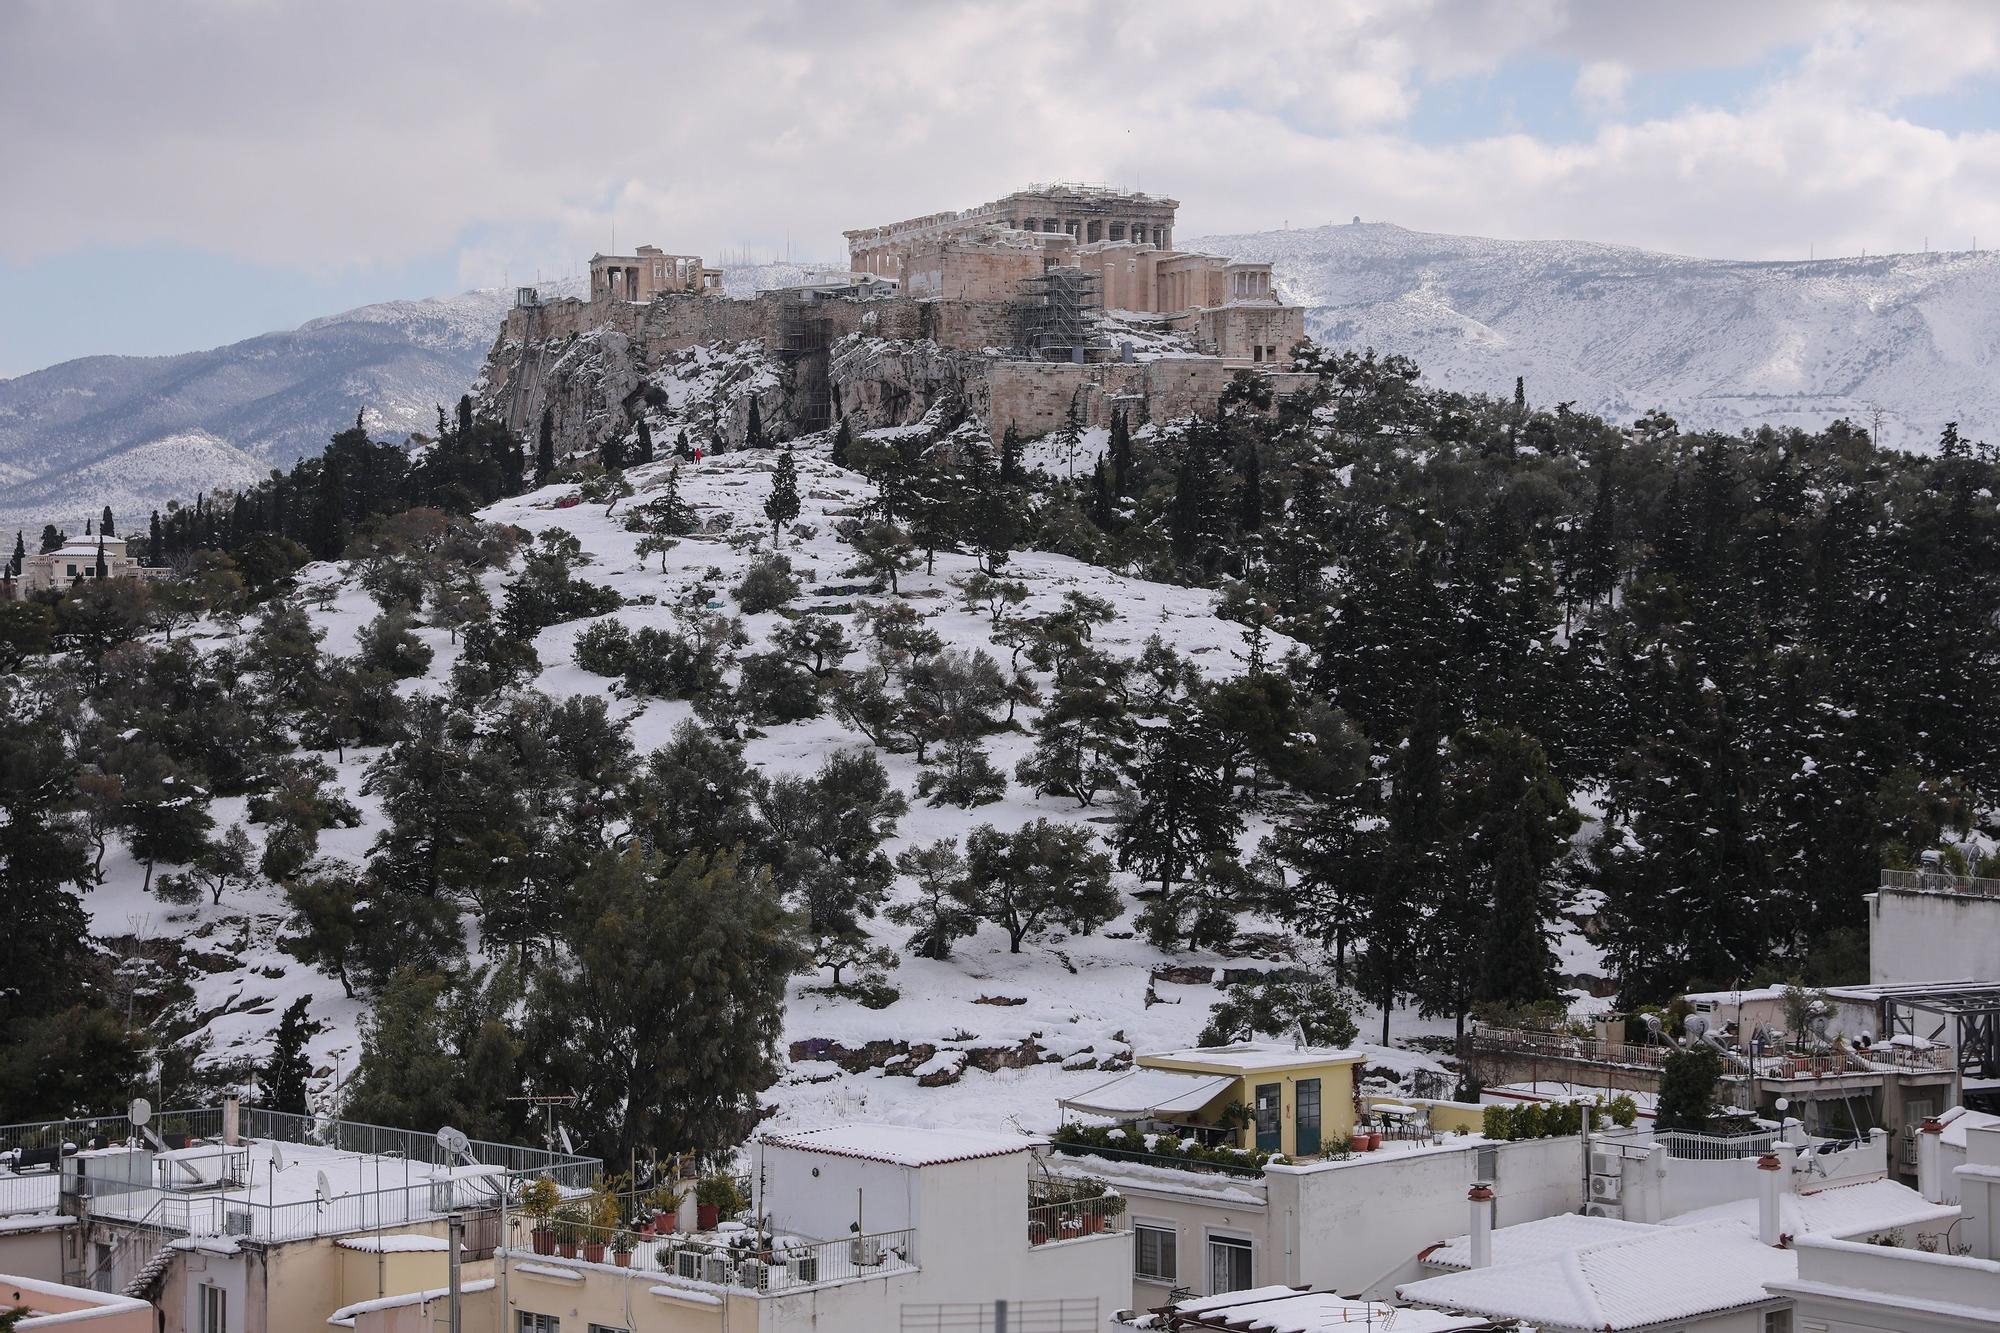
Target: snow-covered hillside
1718, 344
987, 1037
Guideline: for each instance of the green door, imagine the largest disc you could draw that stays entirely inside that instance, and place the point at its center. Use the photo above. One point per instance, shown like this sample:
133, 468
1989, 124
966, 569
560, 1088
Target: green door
1268, 1133
1305, 1117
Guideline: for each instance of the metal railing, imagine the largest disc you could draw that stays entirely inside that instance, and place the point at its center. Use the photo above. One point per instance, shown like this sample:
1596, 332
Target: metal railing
1938, 881
1715, 1147
1073, 1219
1567, 1046
566, 1169
786, 1264
40, 1192
1157, 1159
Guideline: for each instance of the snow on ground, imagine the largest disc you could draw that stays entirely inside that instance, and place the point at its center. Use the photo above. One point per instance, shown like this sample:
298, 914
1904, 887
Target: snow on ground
1084, 1002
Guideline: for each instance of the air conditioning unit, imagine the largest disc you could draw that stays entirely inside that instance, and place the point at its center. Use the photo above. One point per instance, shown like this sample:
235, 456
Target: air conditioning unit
236, 1222
687, 1264
805, 1267
1604, 1210
754, 1274
1606, 1189
1606, 1164
715, 1269
865, 1251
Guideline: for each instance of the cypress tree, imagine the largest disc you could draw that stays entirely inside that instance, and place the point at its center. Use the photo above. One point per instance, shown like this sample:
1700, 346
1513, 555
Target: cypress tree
645, 441
464, 436
842, 439
753, 436
104, 523
545, 448
1121, 454
612, 454
284, 1078
682, 449
1010, 456
1251, 516
783, 506
154, 546
101, 571
20, 554
1101, 511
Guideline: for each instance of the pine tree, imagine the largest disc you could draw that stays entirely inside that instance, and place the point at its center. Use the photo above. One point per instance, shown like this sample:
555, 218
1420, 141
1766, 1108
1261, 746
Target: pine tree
284, 1079
104, 526
753, 434
52, 539
843, 439
612, 454
545, 448
1102, 511
682, 449
21, 551
783, 505
1010, 456
645, 441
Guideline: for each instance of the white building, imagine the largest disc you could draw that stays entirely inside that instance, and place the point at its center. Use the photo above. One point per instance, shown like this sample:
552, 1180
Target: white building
1295, 1310
864, 1228
76, 562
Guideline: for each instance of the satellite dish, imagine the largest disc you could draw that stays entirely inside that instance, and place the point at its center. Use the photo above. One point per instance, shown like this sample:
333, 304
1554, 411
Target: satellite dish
277, 1157
140, 1113
562, 1132
453, 1141
1652, 1022
324, 1190
1695, 1026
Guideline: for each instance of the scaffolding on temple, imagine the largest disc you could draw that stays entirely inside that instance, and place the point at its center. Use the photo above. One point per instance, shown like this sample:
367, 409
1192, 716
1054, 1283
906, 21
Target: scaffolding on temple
1058, 313
803, 341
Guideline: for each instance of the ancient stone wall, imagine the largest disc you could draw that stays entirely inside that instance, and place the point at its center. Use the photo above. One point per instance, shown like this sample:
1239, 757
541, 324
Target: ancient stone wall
1035, 398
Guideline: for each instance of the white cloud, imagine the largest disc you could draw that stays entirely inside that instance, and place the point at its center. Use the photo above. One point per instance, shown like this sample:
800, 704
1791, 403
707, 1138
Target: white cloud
372, 132
1600, 86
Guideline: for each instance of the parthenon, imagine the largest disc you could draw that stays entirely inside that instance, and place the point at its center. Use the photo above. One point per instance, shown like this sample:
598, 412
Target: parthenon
1086, 214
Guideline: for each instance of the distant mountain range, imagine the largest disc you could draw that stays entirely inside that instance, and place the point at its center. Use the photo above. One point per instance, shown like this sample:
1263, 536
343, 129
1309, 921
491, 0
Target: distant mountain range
1724, 345
1909, 340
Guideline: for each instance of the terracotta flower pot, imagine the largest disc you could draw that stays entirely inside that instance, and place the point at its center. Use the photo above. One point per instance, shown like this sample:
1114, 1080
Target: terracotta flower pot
623, 1258
566, 1248
1374, 1140
1358, 1142
706, 1215
1093, 1223
544, 1240
1037, 1233
593, 1251
664, 1222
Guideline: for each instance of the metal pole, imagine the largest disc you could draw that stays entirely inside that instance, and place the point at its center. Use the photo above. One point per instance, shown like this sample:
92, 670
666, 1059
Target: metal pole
455, 1239
999, 1317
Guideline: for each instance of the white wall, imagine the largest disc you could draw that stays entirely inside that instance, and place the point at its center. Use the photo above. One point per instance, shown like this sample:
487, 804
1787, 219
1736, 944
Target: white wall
1359, 1226
1925, 937
824, 1205
36, 1254
1848, 1287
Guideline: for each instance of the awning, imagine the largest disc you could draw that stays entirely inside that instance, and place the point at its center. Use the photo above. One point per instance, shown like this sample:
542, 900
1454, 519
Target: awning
1151, 1092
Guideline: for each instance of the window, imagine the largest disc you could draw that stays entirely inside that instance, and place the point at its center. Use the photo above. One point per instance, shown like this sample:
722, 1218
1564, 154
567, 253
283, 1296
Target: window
1777, 1321
1228, 1264
530, 1322
607, 1328
1154, 1255
214, 1310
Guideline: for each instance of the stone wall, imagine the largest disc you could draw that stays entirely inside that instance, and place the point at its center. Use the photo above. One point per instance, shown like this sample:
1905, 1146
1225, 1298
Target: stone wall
1036, 398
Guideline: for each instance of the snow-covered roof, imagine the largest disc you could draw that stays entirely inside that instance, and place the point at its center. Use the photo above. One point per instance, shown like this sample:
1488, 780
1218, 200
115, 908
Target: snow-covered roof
1959, 1119
1669, 1273
1248, 1055
1542, 1238
396, 1244
1145, 1092
346, 1314
1843, 1212
904, 1145
1289, 1310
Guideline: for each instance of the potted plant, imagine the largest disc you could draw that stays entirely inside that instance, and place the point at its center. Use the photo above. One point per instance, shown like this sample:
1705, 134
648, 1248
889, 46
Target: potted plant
539, 1200
665, 1201
569, 1221
622, 1245
601, 1216
715, 1198
1108, 1205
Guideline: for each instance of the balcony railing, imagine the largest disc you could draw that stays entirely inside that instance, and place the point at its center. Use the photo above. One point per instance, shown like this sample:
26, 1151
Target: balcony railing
785, 1264
1938, 881
1715, 1147
1050, 1223
1567, 1046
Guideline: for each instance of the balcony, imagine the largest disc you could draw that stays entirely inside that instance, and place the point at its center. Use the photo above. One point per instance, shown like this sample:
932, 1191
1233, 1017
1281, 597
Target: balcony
732, 1257
1940, 881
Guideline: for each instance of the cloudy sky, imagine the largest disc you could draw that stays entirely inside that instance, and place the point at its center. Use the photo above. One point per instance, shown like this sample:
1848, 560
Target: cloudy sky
177, 175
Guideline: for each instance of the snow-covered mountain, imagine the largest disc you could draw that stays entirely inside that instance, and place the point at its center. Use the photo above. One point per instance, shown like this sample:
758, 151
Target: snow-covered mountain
135, 432
1724, 345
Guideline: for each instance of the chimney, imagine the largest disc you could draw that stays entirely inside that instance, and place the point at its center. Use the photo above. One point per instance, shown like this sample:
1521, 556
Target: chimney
1930, 1160
1770, 1189
1481, 1198
232, 1118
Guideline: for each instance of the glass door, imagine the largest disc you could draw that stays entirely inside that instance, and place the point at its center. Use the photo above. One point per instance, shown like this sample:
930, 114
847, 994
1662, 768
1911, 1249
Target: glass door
1268, 1131
1305, 1117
